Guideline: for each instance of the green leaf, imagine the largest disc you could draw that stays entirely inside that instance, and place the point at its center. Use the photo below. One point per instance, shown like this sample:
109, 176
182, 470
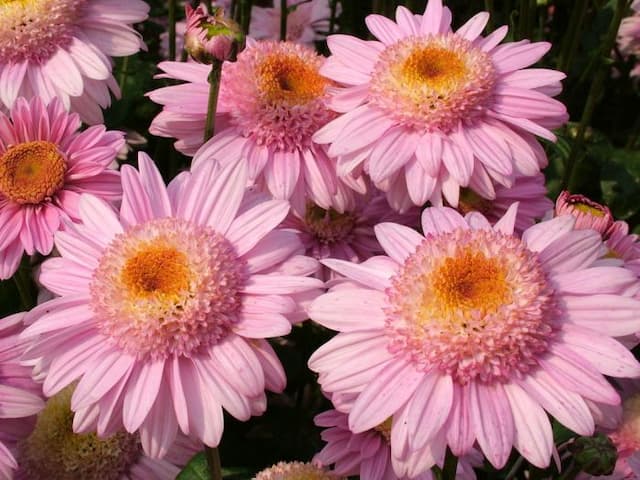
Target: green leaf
196, 469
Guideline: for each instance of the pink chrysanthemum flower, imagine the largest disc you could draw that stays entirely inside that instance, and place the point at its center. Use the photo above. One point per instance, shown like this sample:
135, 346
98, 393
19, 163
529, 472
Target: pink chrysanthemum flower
166, 306
295, 471
274, 99
52, 450
61, 48
588, 214
307, 23
368, 454
472, 333
629, 36
45, 164
20, 396
451, 106
529, 191
345, 229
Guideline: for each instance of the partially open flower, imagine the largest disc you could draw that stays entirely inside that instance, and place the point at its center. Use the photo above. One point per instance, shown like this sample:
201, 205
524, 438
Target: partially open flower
210, 38
295, 471
588, 214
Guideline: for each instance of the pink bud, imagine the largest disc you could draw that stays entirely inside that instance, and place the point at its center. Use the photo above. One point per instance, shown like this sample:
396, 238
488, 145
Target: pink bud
210, 38
588, 214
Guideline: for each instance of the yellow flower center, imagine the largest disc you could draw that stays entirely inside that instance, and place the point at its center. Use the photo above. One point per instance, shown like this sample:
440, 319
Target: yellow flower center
466, 283
384, 429
156, 270
470, 201
588, 209
32, 172
434, 67
290, 80
53, 451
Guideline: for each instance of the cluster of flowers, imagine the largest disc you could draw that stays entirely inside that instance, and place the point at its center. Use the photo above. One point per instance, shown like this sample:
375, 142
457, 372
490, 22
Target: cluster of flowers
462, 327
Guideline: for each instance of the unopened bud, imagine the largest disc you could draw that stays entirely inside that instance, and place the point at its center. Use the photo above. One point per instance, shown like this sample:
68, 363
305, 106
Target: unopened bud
210, 38
595, 455
588, 214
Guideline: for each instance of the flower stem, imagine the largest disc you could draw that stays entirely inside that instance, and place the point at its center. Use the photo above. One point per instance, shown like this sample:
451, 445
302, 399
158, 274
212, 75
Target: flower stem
214, 89
172, 30
450, 466
213, 460
572, 38
284, 13
595, 92
122, 78
24, 284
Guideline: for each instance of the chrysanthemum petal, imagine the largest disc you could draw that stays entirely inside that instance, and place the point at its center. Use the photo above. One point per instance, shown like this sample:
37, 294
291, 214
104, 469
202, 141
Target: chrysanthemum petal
349, 310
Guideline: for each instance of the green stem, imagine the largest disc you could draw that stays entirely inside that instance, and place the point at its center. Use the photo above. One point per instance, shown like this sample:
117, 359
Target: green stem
172, 30
214, 88
450, 466
572, 38
284, 13
570, 473
514, 470
122, 78
244, 14
24, 284
523, 19
332, 19
595, 92
213, 460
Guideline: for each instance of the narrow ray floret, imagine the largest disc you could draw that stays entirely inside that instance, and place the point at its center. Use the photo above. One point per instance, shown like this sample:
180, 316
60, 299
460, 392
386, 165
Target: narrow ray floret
455, 108
473, 333
61, 48
46, 163
165, 306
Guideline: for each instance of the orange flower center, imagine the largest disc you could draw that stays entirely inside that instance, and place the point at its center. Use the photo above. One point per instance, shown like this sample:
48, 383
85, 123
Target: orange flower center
434, 67
466, 283
290, 80
32, 172
157, 270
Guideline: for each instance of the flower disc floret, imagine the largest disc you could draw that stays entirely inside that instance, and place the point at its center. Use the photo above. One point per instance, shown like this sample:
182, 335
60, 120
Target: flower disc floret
278, 94
475, 304
34, 30
167, 287
432, 83
53, 450
32, 172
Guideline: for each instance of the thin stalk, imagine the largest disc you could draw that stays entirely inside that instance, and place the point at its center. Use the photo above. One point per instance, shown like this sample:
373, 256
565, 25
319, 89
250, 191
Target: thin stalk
514, 470
570, 473
595, 92
284, 13
523, 19
214, 89
332, 18
172, 30
24, 284
572, 38
243, 15
450, 466
213, 460
122, 78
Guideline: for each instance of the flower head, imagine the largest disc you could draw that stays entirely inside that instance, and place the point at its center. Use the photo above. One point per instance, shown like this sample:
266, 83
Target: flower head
167, 305
345, 229
210, 37
588, 214
307, 22
53, 450
295, 471
20, 396
273, 99
61, 48
454, 107
368, 454
46, 162
472, 333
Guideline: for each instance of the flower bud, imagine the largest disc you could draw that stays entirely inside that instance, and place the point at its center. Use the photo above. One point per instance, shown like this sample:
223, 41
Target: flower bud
210, 38
595, 455
588, 214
